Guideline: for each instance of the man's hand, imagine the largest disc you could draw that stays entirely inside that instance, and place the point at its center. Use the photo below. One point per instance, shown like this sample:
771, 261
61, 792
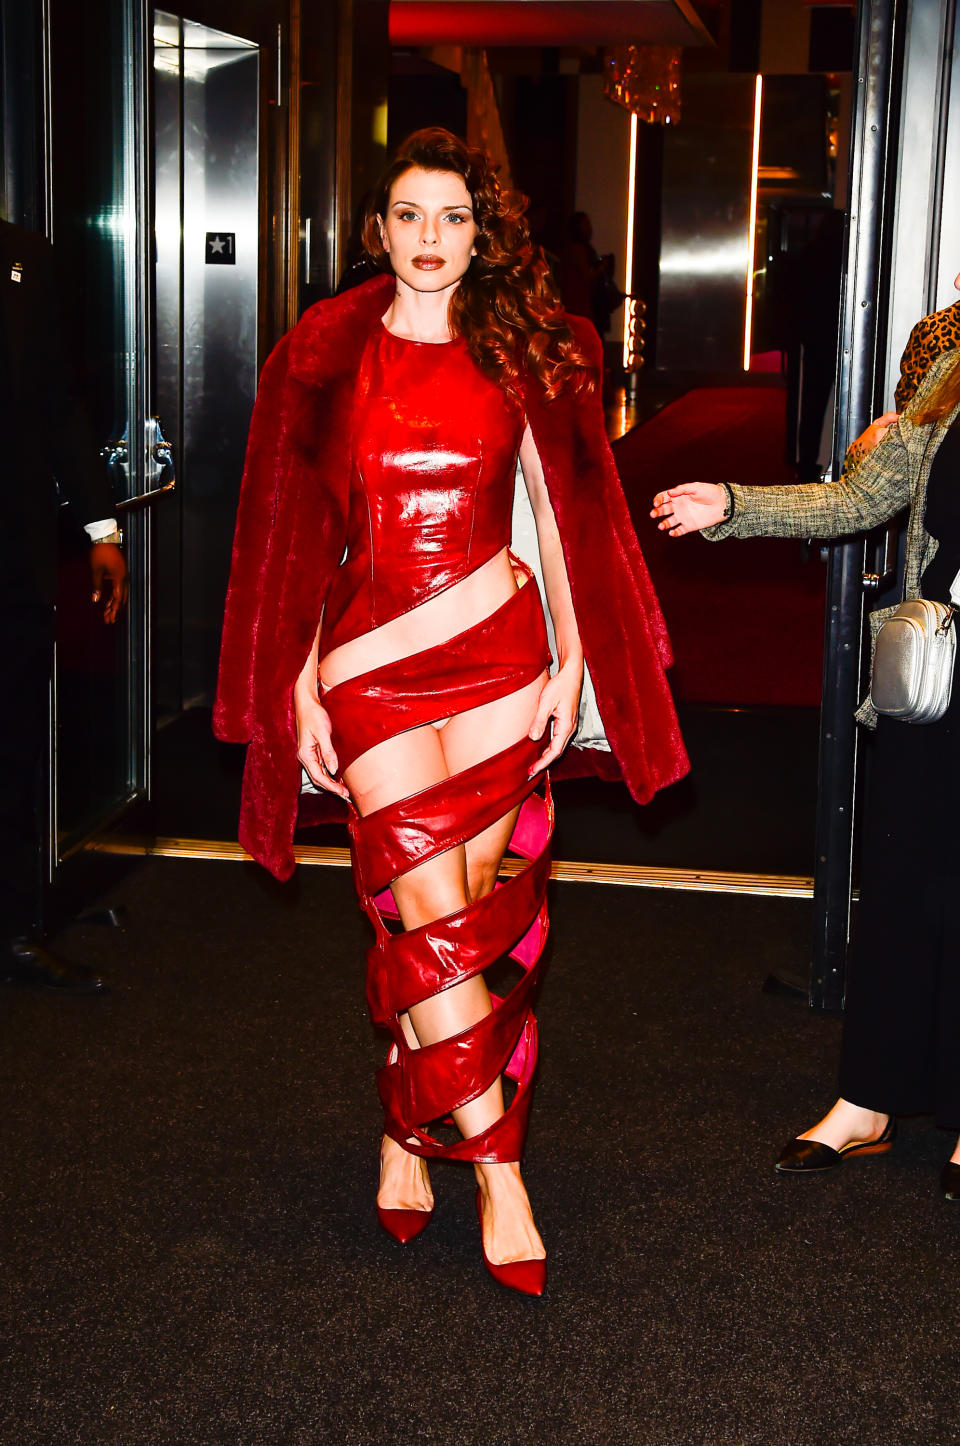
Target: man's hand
108, 564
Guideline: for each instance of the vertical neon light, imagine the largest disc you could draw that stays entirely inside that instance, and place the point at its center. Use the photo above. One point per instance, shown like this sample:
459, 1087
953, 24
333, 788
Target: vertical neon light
752, 228
628, 250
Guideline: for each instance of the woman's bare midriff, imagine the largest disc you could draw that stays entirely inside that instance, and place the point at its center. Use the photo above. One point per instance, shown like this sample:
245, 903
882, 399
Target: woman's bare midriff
435, 621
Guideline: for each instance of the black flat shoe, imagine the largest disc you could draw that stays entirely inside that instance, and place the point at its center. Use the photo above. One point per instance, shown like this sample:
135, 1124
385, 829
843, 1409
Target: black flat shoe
25, 964
950, 1181
811, 1157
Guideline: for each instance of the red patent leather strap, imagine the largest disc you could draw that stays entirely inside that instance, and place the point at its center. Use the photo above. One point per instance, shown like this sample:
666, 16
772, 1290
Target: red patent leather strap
439, 683
421, 1086
402, 835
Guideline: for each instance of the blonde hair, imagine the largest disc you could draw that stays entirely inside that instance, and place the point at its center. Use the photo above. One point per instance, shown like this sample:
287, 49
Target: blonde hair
943, 398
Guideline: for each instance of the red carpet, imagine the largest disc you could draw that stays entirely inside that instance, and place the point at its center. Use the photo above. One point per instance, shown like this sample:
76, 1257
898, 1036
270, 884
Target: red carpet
746, 618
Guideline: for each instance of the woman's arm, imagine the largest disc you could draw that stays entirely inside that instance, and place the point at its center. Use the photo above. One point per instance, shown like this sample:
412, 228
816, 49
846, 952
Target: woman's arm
314, 735
877, 489
560, 698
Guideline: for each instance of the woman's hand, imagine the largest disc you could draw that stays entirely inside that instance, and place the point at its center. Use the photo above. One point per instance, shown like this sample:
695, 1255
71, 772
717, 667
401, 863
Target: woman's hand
314, 742
689, 507
875, 433
560, 703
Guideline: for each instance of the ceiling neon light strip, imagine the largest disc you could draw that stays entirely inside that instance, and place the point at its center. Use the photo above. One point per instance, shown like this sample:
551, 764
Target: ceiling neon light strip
628, 274
752, 227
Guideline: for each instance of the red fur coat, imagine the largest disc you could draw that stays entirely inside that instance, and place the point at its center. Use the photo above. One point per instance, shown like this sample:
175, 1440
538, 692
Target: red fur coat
291, 527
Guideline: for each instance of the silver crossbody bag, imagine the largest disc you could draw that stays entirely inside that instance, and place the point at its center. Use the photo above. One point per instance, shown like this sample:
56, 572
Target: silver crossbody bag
913, 660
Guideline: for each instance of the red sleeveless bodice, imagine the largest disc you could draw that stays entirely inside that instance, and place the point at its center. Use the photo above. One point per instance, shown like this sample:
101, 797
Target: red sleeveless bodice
434, 446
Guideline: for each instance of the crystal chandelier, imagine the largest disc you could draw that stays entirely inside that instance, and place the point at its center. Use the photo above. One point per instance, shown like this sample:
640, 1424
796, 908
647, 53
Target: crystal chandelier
646, 80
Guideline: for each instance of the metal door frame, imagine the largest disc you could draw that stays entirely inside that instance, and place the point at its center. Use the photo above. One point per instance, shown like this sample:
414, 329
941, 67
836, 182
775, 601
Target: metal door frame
901, 149
136, 81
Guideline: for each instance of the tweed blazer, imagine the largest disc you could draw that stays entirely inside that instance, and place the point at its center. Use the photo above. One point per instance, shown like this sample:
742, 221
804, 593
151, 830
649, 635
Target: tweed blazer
869, 493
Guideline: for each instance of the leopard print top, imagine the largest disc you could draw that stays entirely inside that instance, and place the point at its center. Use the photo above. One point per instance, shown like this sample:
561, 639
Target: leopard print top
929, 339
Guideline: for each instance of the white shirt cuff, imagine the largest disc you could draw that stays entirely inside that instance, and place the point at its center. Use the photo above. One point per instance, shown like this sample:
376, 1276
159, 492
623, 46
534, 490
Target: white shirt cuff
103, 528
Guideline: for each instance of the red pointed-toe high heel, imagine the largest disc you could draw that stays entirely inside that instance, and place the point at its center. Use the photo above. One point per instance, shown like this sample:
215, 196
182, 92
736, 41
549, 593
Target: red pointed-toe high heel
404, 1225
529, 1277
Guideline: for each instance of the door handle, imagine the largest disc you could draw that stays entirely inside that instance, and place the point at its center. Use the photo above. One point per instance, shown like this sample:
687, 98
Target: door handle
160, 467
143, 498
884, 561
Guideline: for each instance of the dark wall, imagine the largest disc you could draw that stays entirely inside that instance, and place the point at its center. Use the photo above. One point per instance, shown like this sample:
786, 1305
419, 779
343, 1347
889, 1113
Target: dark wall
370, 97
253, 19
344, 106
746, 25
318, 152
794, 131
21, 198
540, 120
422, 94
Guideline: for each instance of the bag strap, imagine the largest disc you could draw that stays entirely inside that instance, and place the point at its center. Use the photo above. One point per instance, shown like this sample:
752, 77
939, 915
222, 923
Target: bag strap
955, 591
952, 607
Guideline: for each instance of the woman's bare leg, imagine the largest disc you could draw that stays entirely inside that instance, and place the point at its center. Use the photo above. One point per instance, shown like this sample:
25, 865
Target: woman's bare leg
400, 766
403, 765
508, 1227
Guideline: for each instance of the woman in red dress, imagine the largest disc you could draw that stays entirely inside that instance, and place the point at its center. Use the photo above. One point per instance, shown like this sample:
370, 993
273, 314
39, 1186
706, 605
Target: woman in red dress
422, 694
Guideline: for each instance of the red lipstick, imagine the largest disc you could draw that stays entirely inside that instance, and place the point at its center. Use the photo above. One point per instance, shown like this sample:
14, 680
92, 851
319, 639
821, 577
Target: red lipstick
428, 263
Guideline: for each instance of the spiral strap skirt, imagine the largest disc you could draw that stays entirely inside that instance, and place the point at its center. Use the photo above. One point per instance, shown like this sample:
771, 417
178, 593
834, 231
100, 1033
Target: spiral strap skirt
419, 1087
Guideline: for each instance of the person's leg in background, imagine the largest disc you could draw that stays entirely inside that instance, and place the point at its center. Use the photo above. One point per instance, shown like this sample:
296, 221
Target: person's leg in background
26, 654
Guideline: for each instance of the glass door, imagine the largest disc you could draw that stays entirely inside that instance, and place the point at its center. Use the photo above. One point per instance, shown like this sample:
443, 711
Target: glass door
206, 149
98, 211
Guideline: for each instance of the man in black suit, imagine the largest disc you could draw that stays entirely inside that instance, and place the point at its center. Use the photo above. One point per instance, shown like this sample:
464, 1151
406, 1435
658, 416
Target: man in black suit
48, 455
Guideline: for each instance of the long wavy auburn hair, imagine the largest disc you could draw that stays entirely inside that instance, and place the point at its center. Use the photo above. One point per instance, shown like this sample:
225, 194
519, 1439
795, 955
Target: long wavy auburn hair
943, 398
506, 306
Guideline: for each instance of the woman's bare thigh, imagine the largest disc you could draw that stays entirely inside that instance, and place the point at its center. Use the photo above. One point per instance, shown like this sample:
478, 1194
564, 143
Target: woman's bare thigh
471, 737
393, 770
479, 733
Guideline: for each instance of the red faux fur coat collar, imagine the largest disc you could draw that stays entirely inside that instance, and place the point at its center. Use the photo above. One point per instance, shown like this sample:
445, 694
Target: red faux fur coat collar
291, 527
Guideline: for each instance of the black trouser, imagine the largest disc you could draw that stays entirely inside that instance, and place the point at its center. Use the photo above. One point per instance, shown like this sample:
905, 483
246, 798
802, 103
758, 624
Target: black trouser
901, 1040
26, 640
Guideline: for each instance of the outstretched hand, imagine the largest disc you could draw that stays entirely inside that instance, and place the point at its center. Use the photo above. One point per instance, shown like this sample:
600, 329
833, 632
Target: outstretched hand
689, 507
558, 705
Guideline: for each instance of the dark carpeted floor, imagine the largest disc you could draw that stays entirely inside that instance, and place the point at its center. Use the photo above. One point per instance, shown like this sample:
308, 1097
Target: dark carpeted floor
190, 1251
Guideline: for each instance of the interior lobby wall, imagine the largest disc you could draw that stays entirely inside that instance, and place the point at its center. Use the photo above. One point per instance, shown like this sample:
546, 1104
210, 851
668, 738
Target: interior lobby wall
603, 155
785, 37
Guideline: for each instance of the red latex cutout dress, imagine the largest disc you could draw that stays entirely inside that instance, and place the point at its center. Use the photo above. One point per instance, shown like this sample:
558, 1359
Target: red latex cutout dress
434, 449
